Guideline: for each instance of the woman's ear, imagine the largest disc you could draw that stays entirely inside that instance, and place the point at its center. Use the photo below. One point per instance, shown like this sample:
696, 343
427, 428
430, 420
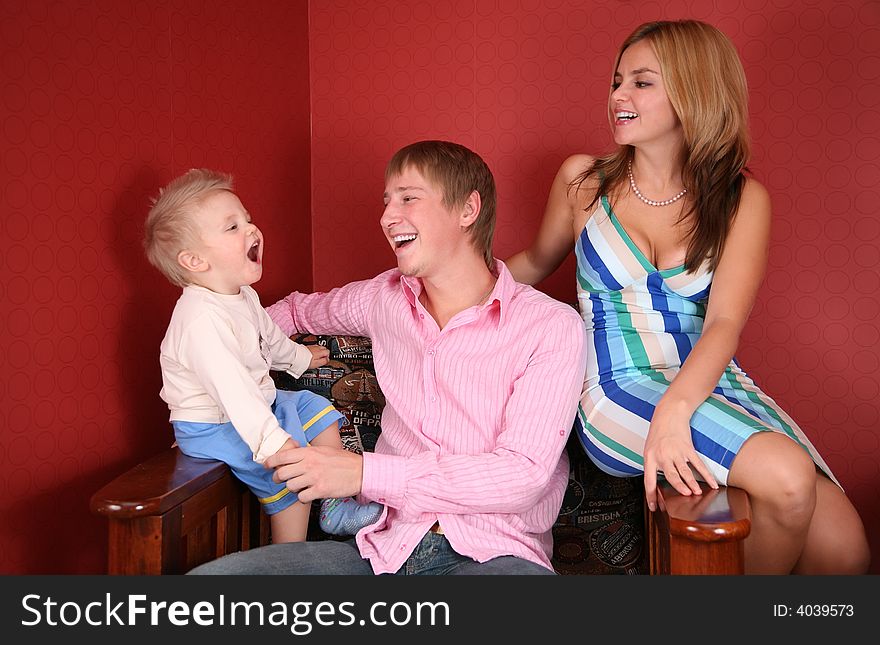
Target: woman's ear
192, 262
471, 210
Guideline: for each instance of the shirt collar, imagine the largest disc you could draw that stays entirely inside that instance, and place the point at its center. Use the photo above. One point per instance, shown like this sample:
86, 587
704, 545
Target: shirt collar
504, 290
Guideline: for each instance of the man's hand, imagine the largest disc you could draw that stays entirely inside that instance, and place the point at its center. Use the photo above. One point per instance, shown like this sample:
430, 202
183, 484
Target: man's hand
290, 443
320, 355
316, 472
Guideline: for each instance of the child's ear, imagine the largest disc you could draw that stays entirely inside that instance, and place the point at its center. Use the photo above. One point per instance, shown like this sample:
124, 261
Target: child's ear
192, 262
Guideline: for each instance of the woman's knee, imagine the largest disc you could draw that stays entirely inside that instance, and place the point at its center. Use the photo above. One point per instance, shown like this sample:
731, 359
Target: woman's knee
776, 471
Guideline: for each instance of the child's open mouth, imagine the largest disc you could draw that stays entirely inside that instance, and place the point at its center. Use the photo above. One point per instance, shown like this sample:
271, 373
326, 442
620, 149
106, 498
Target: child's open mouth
254, 252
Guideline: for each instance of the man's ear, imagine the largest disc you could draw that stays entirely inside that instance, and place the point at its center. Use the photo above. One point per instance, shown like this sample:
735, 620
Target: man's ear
471, 210
192, 262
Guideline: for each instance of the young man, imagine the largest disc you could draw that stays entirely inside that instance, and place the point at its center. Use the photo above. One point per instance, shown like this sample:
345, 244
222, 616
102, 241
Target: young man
481, 377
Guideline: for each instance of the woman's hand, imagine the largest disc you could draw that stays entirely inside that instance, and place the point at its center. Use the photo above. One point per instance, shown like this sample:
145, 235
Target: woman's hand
669, 449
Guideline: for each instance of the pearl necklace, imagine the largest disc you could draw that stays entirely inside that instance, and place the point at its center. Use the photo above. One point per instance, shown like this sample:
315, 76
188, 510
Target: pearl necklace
651, 202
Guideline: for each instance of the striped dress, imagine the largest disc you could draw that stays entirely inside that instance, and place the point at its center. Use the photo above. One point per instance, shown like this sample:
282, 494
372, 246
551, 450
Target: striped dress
641, 324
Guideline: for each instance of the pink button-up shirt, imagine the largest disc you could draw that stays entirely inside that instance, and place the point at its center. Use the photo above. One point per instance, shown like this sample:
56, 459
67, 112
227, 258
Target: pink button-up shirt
476, 417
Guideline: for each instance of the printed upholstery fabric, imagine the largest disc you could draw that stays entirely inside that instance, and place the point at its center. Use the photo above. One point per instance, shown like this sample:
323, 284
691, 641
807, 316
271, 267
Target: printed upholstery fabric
600, 529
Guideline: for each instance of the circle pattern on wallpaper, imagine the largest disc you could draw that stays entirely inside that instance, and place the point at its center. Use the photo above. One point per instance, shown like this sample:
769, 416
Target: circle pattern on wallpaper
102, 104
92, 120
526, 86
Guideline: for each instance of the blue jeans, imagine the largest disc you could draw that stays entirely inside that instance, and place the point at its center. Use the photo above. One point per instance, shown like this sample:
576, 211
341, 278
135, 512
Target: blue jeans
432, 556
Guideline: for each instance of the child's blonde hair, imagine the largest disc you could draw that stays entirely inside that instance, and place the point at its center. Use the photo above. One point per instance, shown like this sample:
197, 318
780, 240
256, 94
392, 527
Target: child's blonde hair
170, 228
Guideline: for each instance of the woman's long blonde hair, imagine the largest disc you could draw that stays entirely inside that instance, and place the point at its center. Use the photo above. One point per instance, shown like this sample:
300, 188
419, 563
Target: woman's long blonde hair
706, 85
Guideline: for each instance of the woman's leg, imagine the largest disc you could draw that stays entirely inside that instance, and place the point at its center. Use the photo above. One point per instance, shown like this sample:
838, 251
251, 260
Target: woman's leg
780, 478
801, 521
836, 543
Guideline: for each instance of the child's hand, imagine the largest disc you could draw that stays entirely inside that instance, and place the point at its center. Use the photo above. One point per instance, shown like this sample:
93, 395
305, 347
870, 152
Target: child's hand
320, 355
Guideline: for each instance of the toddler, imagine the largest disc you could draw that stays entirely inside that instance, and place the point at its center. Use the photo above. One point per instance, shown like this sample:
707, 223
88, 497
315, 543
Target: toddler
220, 346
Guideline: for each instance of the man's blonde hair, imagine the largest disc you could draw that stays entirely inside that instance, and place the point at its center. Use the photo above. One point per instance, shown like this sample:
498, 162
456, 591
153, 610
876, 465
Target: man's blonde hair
457, 171
170, 227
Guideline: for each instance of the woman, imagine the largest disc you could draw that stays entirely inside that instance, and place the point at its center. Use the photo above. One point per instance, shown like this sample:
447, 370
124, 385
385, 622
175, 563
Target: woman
655, 224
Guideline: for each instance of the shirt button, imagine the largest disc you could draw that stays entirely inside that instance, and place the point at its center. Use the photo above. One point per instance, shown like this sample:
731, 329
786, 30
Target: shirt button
433, 399
430, 352
562, 433
403, 547
422, 316
381, 500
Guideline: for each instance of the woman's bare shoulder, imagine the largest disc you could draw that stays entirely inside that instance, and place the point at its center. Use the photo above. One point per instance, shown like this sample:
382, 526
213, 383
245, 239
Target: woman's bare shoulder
568, 179
755, 200
575, 166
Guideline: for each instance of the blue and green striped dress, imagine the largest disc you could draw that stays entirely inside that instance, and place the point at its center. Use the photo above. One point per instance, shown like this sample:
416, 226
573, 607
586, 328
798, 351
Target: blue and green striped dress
641, 324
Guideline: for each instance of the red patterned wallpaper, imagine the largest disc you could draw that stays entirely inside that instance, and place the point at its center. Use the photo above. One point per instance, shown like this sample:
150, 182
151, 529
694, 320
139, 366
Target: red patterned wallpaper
304, 102
102, 103
525, 84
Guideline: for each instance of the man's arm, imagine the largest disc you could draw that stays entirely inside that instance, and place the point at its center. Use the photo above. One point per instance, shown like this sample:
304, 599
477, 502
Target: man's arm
513, 477
510, 479
342, 311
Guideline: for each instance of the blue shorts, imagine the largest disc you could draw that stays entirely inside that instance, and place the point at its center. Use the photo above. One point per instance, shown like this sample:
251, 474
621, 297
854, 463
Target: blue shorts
304, 415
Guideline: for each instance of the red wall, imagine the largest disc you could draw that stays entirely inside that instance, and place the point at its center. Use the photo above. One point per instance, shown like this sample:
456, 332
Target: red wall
525, 84
103, 102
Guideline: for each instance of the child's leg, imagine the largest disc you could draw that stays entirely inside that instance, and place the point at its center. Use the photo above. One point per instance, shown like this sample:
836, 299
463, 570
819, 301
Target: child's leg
314, 416
329, 437
288, 518
291, 524
319, 421
343, 515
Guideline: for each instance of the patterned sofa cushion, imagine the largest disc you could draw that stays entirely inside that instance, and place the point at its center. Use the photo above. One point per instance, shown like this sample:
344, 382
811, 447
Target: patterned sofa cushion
600, 529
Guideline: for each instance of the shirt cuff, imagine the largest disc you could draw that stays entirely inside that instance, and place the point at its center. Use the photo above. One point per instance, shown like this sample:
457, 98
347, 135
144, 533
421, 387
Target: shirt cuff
300, 362
270, 445
384, 479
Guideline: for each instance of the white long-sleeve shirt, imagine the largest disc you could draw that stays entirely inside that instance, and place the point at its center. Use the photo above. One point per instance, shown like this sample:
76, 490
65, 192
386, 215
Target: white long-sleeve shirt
215, 359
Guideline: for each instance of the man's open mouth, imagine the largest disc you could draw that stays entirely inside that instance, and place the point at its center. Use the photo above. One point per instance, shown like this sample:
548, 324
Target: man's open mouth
402, 240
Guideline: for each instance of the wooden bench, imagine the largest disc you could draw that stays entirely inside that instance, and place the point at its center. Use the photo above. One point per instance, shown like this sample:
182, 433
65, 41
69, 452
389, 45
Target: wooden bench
173, 512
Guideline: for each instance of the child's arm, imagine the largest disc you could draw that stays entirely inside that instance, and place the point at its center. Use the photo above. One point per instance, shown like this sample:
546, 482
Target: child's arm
285, 354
